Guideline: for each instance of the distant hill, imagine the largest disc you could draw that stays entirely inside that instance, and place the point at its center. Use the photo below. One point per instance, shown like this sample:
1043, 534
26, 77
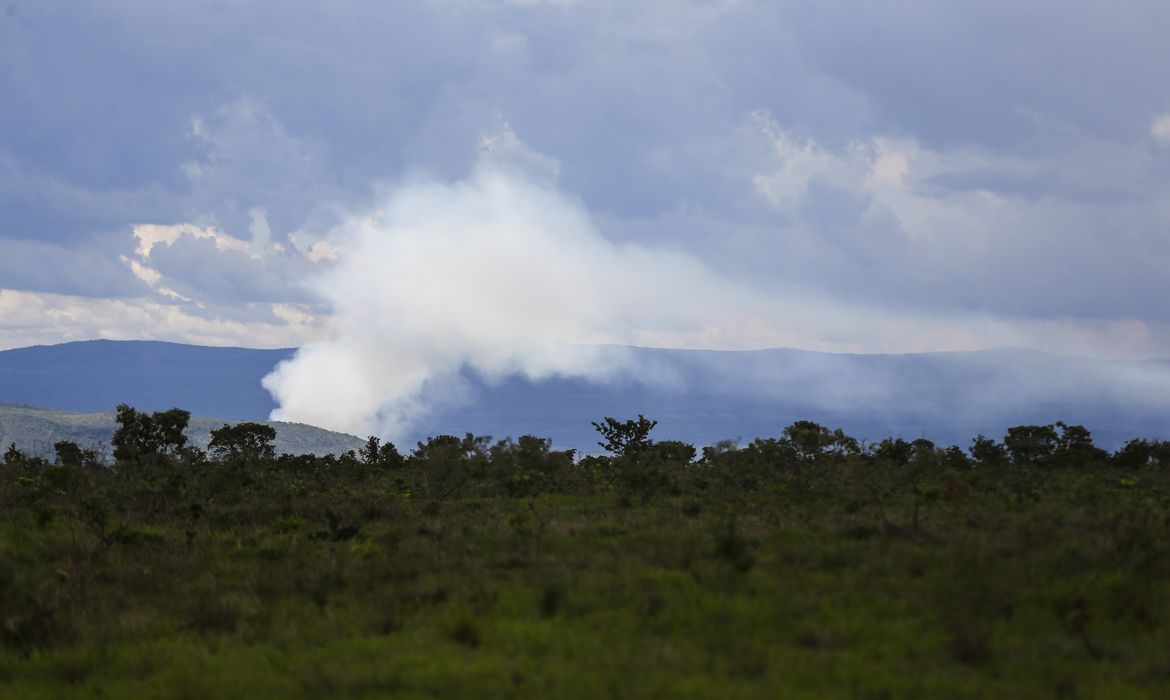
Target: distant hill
97, 375
704, 396
36, 430
696, 395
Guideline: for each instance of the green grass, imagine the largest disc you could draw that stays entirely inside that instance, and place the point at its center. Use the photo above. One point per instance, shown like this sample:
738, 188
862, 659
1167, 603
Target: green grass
772, 593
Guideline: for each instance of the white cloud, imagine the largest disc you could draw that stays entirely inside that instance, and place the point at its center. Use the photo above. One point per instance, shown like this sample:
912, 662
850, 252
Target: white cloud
505, 150
801, 162
1160, 128
39, 318
261, 233
142, 272
324, 251
206, 266
150, 235
927, 230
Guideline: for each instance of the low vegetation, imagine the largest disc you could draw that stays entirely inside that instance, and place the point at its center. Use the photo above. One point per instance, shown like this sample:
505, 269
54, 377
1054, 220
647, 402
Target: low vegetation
802, 565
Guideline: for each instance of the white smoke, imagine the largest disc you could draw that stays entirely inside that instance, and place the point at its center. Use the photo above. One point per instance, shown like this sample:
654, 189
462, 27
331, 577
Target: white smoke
501, 274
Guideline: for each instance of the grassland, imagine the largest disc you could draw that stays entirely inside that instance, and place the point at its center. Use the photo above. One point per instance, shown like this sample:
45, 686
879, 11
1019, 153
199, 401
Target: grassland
847, 577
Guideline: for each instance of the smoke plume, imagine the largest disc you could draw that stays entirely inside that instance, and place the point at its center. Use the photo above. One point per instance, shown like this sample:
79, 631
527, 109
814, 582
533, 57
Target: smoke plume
500, 274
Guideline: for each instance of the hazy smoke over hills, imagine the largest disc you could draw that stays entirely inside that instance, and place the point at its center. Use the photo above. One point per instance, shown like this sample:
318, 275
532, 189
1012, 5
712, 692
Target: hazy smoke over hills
503, 275
500, 274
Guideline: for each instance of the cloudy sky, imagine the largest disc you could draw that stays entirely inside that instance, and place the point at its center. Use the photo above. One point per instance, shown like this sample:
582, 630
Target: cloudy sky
883, 176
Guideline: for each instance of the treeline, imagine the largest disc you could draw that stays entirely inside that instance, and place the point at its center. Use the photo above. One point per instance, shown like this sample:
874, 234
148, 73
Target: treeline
151, 450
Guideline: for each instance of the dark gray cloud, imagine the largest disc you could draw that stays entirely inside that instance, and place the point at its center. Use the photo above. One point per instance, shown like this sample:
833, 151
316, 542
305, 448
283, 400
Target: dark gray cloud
197, 269
998, 73
93, 270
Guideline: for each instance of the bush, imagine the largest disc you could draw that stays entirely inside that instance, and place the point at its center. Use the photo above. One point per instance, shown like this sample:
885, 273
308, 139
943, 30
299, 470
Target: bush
30, 604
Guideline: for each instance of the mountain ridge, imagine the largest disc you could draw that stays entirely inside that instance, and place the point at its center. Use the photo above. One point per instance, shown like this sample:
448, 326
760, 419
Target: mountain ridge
34, 431
701, 396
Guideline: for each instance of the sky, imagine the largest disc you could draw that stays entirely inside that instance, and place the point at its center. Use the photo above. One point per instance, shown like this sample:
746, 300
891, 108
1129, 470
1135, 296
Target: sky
482, 182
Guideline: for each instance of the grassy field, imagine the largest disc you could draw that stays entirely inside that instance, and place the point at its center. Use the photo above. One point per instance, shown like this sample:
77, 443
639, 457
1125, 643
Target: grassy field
342, 579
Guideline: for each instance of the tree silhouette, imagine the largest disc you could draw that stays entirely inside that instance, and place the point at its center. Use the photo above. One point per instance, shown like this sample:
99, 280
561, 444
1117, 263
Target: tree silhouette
626, 438
140, 435
248, 441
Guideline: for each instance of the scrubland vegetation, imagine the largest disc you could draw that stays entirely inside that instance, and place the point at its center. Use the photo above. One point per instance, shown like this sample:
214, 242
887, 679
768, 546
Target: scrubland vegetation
803, 565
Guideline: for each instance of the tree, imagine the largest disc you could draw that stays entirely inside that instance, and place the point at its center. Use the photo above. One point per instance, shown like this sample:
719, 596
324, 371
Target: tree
894, 450
1140, 453
528, 466
70, 454
389, 457
626, 438
369, 452
247, 441
170, 426
922, 448
987, 452
954, 458
141, 435
14, 457
1136, 453
674, 453
376, 453
1058, 444
1075, 448
448, 464
811, 441
1030, 443
760, 460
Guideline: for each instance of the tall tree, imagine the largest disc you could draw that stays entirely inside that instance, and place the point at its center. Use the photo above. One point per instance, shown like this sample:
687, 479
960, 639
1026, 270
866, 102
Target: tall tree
140, 435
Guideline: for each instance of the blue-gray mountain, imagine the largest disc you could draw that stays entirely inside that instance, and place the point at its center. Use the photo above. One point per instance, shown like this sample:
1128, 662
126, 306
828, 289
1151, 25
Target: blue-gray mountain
97, 375
697, 396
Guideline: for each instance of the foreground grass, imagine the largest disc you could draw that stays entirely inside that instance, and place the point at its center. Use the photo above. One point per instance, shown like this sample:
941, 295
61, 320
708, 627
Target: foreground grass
817, 592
